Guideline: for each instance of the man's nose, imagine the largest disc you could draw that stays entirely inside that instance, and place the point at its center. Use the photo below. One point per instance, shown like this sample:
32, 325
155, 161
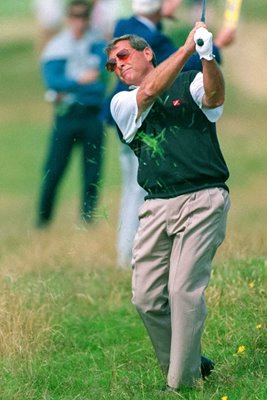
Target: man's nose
120, 63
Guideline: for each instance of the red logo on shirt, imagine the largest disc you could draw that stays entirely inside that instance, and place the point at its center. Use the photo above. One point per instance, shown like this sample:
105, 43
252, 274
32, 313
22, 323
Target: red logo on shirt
176, 103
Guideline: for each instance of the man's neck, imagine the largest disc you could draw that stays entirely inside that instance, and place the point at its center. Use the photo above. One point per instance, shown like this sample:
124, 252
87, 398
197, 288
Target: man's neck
155, 18
146, 21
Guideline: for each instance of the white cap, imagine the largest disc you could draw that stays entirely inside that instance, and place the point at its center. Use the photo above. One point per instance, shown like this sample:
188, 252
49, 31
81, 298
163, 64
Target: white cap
146, 7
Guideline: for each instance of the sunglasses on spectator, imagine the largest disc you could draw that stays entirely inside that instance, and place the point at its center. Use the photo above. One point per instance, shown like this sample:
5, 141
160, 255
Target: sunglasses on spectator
79, 15
123, 55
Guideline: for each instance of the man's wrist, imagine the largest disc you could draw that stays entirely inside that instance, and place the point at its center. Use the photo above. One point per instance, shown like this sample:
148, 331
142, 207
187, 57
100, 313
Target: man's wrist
185, 52
208, 57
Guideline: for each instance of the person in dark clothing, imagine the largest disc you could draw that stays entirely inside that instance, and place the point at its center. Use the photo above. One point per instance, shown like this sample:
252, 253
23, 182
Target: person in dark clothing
72, 64
168, 119
146, 22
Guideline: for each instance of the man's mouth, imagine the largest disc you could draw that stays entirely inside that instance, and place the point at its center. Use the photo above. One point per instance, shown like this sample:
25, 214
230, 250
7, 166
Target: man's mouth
124, 72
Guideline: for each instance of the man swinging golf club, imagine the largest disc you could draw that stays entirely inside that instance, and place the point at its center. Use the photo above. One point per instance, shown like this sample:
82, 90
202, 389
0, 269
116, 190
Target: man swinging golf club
168, 119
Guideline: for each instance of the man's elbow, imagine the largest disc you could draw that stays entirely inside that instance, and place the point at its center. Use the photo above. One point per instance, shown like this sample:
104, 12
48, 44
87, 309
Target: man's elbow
145, 97
214, 100
147, 94
217, 103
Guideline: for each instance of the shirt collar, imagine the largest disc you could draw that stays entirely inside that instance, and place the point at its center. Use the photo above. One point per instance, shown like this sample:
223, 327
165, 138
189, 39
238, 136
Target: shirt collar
146, 22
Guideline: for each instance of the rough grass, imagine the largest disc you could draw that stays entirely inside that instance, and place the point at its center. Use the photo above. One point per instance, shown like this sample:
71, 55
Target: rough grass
76, 335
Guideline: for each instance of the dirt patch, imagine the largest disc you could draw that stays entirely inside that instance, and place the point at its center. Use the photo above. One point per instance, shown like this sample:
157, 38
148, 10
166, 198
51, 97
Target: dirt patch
15, 30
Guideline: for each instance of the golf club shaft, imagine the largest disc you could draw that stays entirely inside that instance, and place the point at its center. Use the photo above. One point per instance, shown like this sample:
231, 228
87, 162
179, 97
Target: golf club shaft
203, 19
203, 15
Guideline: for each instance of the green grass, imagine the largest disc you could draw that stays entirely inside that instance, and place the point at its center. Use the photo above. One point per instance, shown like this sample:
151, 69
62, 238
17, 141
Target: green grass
96, 346
68, 330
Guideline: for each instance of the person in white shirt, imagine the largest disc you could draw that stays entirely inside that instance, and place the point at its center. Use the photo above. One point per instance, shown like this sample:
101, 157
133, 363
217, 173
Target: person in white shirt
168, 120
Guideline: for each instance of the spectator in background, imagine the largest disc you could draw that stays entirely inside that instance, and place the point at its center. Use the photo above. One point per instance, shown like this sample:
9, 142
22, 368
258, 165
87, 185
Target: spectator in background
104, 16
49, 15
169, 7
147, 23
72, 64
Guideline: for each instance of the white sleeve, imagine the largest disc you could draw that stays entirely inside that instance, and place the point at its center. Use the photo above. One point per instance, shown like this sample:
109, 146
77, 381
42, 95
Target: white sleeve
124, 111
197, 92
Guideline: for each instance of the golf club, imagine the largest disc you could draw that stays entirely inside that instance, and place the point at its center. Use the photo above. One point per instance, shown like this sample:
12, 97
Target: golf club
200, 42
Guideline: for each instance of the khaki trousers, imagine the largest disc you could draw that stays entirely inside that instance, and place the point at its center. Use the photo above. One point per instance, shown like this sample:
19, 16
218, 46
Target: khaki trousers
173, 249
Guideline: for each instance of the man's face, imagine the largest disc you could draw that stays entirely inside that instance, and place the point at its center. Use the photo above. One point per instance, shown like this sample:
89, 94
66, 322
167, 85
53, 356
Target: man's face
130, 65
78, 20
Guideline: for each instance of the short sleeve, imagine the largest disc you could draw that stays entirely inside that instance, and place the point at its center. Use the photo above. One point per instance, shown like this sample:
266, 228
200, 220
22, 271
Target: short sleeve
197, 92
124, 111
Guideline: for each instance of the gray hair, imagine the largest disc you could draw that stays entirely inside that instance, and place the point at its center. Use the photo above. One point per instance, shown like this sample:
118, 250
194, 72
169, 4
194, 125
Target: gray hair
136, 42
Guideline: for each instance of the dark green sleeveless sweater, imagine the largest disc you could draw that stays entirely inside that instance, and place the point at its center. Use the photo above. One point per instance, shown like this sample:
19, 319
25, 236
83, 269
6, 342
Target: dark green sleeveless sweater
177, 146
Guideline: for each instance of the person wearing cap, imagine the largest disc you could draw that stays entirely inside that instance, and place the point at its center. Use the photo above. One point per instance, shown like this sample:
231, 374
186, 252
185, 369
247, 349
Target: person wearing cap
168, 119
72, 66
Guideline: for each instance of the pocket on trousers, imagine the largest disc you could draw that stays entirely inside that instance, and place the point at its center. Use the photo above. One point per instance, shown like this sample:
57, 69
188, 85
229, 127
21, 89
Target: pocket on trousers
144, 210
224, 201
218, 198
225, 194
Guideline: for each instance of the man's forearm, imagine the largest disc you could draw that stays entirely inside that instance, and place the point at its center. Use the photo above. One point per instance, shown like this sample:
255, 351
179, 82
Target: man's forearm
54, 77
213, 84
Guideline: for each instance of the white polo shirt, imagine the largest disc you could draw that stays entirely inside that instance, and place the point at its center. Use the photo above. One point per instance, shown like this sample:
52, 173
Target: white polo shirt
124, 109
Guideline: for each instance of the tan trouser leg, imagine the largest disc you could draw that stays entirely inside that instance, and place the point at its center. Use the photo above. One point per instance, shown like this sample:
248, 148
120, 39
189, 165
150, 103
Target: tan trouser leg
174, 246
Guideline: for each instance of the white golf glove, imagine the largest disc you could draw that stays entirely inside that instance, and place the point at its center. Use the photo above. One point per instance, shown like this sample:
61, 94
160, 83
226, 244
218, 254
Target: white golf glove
204, 45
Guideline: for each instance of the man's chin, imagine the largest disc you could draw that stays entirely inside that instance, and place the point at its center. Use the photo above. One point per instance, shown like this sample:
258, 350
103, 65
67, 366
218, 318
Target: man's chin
126, 82
126, 78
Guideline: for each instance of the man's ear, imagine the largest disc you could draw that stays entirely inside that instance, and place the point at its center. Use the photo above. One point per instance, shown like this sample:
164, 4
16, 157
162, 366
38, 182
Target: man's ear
148, 54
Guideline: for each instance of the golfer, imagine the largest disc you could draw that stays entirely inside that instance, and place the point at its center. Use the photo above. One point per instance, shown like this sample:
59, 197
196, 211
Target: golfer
168, 119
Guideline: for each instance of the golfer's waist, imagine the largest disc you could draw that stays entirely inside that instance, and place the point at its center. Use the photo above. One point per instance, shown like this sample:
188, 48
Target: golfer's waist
158, 192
